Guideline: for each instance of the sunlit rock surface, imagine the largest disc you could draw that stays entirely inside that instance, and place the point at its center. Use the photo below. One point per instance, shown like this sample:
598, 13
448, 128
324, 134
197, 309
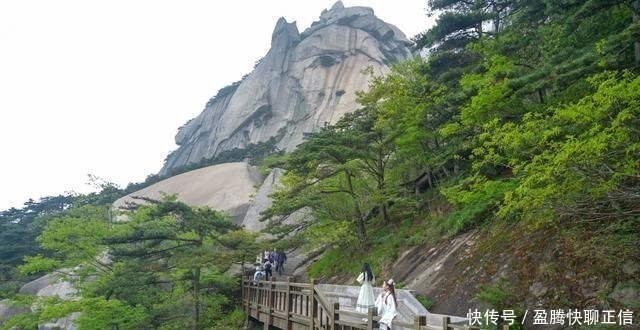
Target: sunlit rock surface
306, 80
228, 187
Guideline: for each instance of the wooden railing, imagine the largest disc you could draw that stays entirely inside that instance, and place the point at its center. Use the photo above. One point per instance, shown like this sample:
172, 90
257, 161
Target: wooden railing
301, 306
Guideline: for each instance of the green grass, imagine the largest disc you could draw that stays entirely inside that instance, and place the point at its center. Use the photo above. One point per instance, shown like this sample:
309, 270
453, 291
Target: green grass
474, 206
276, 159
386, 242
426, 303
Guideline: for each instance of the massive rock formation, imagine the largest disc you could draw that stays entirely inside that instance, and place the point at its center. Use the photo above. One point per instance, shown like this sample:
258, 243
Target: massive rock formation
261, 202
306, 80
253, 220
228, 187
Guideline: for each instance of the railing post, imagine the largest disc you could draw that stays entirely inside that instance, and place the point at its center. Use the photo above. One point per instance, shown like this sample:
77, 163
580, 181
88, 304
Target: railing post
268, 321
258, 294
311, 304
336, 315
445, 323
286, 302
419, 321
245, 300
371, 312
505, 327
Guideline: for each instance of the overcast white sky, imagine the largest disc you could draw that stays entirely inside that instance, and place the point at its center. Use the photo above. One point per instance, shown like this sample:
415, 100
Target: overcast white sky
101, 87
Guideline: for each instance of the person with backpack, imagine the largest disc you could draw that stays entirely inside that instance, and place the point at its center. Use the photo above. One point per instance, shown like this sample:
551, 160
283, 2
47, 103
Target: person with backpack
257, 275
267, 269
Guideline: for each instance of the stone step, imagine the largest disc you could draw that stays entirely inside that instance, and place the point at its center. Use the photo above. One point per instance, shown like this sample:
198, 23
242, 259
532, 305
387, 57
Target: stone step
292, 264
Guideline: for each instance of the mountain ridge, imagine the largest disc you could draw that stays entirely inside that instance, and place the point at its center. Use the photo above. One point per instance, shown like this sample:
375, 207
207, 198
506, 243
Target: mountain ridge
304, 81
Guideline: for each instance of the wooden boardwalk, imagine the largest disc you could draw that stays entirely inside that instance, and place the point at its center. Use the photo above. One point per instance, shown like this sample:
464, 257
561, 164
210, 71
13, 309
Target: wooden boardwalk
303, 306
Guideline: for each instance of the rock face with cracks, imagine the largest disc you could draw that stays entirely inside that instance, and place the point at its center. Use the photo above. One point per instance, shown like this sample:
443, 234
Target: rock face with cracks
305, 81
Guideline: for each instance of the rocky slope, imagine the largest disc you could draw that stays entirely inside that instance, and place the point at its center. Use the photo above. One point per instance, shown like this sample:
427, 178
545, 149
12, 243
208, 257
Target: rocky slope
306, 80
515, 267
228, 187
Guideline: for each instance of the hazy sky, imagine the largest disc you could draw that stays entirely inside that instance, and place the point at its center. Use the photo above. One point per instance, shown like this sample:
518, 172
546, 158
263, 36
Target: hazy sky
101, 87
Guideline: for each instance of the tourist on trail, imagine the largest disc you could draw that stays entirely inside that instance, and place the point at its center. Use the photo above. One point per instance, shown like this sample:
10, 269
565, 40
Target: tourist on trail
273, 257
365, 298
386, 304
280, 260
267, 269
266, 255
257, 275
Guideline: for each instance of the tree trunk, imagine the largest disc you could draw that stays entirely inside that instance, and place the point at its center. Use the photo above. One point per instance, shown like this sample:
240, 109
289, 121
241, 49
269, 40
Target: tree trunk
362, 232
540, 95
383, 204
196, 292
385, 212
444, 170
381, 186
196, 299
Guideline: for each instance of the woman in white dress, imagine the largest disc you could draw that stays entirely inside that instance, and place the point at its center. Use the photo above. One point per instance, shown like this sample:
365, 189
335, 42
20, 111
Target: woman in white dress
365, 298
386, 304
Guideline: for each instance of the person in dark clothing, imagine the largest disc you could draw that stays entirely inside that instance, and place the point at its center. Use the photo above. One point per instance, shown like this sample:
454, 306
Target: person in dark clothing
267, 269
282, 258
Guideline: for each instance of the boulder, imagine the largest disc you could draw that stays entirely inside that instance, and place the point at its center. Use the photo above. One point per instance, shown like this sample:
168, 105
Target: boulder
48, 286
8, 310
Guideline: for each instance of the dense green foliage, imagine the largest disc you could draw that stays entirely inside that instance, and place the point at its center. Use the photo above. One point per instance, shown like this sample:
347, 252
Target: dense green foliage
19, 228
18, 231
524, 112
253, 152
161, 269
